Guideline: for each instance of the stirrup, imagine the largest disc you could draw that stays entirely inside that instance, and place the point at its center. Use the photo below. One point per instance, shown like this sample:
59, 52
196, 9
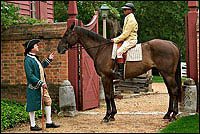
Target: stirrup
118, 74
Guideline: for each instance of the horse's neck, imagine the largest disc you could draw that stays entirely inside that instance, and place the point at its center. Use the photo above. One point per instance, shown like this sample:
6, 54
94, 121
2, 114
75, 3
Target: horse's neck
89, 45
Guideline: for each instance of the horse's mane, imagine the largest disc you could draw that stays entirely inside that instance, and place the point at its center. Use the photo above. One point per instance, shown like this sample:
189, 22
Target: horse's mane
96, 37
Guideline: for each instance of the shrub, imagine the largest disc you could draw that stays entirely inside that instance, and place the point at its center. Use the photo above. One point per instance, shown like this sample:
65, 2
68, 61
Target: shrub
10, 16
13, 112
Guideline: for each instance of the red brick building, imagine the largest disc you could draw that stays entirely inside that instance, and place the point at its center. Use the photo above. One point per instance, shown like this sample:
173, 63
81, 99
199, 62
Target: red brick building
35, 9
13, 79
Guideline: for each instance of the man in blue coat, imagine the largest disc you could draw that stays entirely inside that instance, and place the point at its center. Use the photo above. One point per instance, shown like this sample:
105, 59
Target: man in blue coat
36, 83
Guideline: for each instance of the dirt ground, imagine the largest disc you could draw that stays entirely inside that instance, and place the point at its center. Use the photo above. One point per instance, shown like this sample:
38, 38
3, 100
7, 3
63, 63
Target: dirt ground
139, 114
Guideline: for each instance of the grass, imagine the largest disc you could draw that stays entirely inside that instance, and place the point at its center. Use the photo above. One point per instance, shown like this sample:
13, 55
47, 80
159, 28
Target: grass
187, 124
159, 79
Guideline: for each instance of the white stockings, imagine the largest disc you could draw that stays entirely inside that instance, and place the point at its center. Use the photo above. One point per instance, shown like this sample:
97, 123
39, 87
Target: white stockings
48, 116
32, 118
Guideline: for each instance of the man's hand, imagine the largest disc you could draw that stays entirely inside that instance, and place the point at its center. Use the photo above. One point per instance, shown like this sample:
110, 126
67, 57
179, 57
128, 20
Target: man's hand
51, 56
44, 86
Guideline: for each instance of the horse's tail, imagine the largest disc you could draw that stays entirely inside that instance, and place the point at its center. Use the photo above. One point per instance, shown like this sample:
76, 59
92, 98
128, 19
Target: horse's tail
178, 78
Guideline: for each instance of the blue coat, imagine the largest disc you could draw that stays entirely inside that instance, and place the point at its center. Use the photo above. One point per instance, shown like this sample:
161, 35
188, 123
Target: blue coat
34, 82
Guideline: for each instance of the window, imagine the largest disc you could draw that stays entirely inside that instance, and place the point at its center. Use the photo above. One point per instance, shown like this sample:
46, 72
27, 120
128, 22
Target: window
33, 9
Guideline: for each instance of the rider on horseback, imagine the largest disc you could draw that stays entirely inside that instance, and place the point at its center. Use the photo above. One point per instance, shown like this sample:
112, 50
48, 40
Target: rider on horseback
128, 36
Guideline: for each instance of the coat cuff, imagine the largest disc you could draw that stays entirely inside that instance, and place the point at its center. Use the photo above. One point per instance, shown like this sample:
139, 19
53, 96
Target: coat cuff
37, 86
48, 60
116, 40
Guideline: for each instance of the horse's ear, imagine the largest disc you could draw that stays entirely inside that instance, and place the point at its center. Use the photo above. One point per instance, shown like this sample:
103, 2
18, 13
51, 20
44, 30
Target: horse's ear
72, 26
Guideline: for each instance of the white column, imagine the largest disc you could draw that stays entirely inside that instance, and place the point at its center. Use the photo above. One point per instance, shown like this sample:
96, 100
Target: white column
104, 27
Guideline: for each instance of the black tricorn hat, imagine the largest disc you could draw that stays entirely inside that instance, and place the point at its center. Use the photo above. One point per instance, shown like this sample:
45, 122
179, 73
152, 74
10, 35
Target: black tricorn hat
129, 6
30, 43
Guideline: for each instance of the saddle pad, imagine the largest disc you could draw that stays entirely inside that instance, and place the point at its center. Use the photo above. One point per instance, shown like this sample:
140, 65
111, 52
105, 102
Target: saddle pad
133, 54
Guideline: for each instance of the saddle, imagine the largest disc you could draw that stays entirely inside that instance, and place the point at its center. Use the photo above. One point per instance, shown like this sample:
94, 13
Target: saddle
132, 54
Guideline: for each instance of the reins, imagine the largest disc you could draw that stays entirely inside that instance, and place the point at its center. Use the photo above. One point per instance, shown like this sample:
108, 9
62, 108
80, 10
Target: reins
104, 44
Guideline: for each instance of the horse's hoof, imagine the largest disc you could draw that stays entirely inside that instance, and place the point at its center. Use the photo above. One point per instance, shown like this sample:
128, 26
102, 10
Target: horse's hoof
166, 117
112, 119
105, 120
172, 119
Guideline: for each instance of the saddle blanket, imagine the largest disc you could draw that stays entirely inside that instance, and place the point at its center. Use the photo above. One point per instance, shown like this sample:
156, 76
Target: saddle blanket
133, 54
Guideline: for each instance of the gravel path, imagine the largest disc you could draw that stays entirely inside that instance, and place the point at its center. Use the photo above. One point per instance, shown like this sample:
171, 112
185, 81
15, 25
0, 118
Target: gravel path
139, 114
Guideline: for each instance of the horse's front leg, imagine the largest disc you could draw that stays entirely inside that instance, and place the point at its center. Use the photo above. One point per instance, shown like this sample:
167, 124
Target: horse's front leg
107, 84
108, 112
114, 110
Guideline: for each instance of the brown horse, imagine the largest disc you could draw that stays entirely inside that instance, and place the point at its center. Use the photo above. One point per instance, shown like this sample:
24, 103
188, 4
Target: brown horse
161, 54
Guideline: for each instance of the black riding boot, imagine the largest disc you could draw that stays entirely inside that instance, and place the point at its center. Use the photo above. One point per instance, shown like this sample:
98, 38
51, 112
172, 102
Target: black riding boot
120, 72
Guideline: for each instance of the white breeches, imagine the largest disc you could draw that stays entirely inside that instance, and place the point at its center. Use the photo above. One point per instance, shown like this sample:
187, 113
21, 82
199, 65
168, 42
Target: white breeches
125, 46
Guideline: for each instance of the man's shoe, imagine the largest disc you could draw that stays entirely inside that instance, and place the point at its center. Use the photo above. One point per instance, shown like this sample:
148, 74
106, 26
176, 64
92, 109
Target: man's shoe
35, 128
52, 125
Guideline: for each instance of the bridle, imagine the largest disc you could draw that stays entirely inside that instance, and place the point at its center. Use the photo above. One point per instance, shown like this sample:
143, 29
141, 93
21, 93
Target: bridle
104, 44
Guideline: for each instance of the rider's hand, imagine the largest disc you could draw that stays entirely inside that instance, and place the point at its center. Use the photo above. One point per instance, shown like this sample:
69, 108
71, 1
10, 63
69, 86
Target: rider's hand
112, 40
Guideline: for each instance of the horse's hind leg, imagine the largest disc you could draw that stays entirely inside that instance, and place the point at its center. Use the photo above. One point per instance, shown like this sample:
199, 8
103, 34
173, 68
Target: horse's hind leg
173, 94
175, 112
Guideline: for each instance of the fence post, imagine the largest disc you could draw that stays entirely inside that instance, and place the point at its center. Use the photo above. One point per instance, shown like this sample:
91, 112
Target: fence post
197, 28
191, 47
192, 41
73, 54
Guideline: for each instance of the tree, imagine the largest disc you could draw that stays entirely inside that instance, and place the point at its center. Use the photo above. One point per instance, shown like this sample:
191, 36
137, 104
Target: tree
156, 19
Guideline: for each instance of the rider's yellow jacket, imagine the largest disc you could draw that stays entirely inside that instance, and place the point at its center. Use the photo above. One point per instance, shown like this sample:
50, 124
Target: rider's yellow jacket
129, 29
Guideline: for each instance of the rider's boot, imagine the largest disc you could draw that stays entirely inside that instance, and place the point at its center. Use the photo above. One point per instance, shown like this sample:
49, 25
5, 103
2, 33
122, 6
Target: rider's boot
120, 72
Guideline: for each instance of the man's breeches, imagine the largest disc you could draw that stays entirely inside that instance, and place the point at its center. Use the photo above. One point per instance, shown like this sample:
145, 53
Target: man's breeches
125, 46
47, 98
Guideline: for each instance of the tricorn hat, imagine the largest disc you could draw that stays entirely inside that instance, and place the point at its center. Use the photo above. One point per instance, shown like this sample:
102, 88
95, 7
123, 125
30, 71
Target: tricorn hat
30, 43
129, 6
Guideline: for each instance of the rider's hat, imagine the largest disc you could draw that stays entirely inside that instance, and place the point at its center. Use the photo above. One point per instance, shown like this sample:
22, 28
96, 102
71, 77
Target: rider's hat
128, 6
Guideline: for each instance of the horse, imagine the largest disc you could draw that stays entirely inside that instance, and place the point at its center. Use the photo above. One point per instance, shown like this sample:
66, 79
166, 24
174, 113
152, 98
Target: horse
161, 54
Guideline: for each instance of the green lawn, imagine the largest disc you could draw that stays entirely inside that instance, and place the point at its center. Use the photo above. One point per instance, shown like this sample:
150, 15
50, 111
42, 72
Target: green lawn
159, 79
187, 124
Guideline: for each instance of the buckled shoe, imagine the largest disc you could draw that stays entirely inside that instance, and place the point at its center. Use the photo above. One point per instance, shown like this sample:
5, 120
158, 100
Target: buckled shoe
52, 125
35, 128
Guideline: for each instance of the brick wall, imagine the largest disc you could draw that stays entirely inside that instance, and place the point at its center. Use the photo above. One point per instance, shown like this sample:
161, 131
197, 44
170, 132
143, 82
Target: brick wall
13, 79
